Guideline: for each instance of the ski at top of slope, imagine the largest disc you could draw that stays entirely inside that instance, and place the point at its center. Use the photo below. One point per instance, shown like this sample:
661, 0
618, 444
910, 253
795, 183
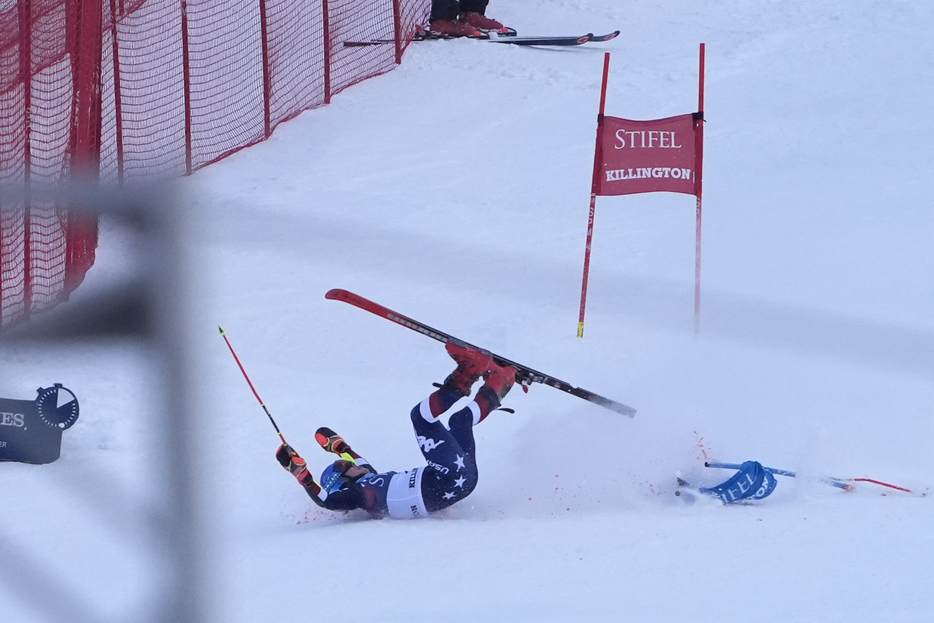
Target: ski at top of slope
510, 38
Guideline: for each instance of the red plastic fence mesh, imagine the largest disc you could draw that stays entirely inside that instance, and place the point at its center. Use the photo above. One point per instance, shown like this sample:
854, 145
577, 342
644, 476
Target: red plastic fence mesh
12, 271
226, 76
182, 83
204, 78
297, 72
150, 79
42, 256
354, 64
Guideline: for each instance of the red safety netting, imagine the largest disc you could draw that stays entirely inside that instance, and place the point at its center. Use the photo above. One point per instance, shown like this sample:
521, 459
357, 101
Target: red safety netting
45, 248
126, 90
204, 78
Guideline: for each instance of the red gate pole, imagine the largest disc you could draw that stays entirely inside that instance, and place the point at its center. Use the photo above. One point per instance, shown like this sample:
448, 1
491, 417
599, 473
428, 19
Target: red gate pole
594, 186
698, 186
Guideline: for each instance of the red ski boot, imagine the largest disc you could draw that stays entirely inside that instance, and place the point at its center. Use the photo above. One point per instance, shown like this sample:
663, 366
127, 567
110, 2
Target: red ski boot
452, 28
471, 365
499, 381
481, 22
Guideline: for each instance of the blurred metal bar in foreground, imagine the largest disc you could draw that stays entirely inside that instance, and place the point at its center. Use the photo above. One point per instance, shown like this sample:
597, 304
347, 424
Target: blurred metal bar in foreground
152, 307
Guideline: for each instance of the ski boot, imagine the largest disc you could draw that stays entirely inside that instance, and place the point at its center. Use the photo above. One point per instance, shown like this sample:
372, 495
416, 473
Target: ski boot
446, 28
482, 23
498, 382
471, 365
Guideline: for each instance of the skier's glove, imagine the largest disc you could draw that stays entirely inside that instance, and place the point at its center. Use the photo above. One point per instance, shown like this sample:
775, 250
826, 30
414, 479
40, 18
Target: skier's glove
290, 460
284, 455
332, 442
295, 465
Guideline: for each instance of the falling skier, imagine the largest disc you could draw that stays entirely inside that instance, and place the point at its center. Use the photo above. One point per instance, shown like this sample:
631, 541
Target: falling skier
451, 470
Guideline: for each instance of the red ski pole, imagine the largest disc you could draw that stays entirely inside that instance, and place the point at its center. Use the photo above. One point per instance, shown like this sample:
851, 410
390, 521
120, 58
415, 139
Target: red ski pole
310, 484
261, 403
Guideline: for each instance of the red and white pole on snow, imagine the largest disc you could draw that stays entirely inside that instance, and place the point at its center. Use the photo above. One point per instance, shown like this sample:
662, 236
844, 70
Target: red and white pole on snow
593, 195
698, 185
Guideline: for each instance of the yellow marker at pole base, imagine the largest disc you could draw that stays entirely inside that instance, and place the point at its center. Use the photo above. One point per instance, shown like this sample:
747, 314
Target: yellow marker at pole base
580, 329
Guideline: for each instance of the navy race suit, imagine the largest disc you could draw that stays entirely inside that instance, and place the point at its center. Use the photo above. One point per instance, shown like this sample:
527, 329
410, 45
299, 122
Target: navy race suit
449, 475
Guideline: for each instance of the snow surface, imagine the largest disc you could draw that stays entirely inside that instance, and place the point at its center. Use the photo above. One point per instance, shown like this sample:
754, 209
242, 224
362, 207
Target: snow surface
455, 190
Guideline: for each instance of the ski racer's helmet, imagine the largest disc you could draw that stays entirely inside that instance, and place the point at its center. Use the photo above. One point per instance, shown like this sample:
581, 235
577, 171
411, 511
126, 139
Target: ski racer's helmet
341, 494
334, 477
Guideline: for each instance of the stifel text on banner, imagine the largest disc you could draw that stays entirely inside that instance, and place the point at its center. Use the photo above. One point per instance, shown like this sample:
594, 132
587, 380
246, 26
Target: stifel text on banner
646, 156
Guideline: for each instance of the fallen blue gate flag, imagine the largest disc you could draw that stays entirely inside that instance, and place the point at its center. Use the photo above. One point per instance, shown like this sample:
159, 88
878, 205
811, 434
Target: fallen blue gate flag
750, 482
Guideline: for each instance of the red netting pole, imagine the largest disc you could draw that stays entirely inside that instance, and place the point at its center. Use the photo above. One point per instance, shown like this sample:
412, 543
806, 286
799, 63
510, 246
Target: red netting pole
25, 66
327, 51
267, 81
85, 159
397, 27
118, 103
186, 70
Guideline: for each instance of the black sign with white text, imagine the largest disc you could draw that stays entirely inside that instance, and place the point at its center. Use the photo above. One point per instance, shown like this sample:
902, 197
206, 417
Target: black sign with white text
31, 430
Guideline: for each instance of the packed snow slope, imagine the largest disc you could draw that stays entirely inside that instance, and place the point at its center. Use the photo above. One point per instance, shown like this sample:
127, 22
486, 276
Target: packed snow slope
455, 190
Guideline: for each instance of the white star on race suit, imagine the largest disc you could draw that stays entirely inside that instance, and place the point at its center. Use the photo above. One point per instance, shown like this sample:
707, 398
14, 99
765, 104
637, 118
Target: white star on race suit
449, 496
459, 462
460, 481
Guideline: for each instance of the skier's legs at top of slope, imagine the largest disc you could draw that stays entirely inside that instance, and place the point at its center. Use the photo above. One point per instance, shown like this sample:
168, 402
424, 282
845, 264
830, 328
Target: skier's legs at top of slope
461, 18
450, 473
